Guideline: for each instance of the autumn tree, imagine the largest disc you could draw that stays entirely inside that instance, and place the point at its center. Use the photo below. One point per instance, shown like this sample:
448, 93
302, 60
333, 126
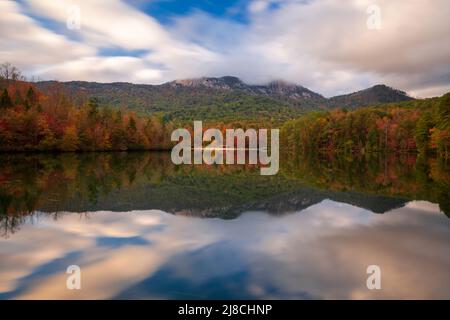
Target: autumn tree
70, 141
47, 140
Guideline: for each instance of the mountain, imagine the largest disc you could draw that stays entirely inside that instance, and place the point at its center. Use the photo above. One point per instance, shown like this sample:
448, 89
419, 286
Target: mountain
223, 98
370, 96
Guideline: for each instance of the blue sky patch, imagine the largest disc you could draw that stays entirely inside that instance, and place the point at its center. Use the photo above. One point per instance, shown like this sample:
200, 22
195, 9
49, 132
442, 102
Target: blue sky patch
165, 10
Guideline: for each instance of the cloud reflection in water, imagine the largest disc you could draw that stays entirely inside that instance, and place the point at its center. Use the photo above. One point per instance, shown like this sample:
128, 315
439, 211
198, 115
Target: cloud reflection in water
320, 252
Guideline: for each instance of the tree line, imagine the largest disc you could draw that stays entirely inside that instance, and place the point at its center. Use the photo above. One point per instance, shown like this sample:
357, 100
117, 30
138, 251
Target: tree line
58, 121
123, 181
32, 121
421, 126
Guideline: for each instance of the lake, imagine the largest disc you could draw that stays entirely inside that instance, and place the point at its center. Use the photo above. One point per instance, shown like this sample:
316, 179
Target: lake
140, 227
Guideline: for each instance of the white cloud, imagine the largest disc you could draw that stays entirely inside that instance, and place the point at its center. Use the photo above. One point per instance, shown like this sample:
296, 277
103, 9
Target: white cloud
103, 69
258, 6
322, 44
27, 44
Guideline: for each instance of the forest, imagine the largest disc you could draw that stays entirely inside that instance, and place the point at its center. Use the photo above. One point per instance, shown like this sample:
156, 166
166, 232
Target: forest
418, 126
32, 121
55, 121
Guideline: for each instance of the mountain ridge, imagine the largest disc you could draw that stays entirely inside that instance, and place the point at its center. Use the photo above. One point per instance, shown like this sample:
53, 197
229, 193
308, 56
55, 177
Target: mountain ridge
234, 83
190, 98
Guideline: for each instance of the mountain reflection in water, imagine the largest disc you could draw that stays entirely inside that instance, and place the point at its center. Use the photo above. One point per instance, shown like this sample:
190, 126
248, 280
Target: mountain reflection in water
308, 232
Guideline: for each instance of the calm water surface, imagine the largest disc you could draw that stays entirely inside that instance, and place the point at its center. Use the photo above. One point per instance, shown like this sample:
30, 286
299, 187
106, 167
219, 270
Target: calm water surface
141, 228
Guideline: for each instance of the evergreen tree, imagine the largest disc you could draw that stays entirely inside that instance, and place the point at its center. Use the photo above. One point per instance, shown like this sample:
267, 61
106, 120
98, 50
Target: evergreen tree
93, 105
31, 97
5, 100
444, 112
18, 98
422, 134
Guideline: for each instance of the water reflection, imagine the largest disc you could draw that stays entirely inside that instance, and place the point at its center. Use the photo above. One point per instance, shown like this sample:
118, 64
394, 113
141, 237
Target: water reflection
319, 252
131, 221
145, 180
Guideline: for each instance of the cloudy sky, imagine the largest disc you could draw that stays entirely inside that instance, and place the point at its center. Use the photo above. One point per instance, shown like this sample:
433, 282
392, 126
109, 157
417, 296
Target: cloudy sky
329, 46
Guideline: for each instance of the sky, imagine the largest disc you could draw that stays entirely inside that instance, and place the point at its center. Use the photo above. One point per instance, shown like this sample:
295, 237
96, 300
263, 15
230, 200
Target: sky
330, 46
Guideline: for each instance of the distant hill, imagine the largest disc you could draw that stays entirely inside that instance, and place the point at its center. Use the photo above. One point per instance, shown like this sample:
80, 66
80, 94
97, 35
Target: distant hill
370, 96
222, 98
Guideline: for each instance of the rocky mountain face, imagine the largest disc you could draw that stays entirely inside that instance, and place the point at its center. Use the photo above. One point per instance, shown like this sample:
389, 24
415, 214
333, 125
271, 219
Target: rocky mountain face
274, 89
223, 83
